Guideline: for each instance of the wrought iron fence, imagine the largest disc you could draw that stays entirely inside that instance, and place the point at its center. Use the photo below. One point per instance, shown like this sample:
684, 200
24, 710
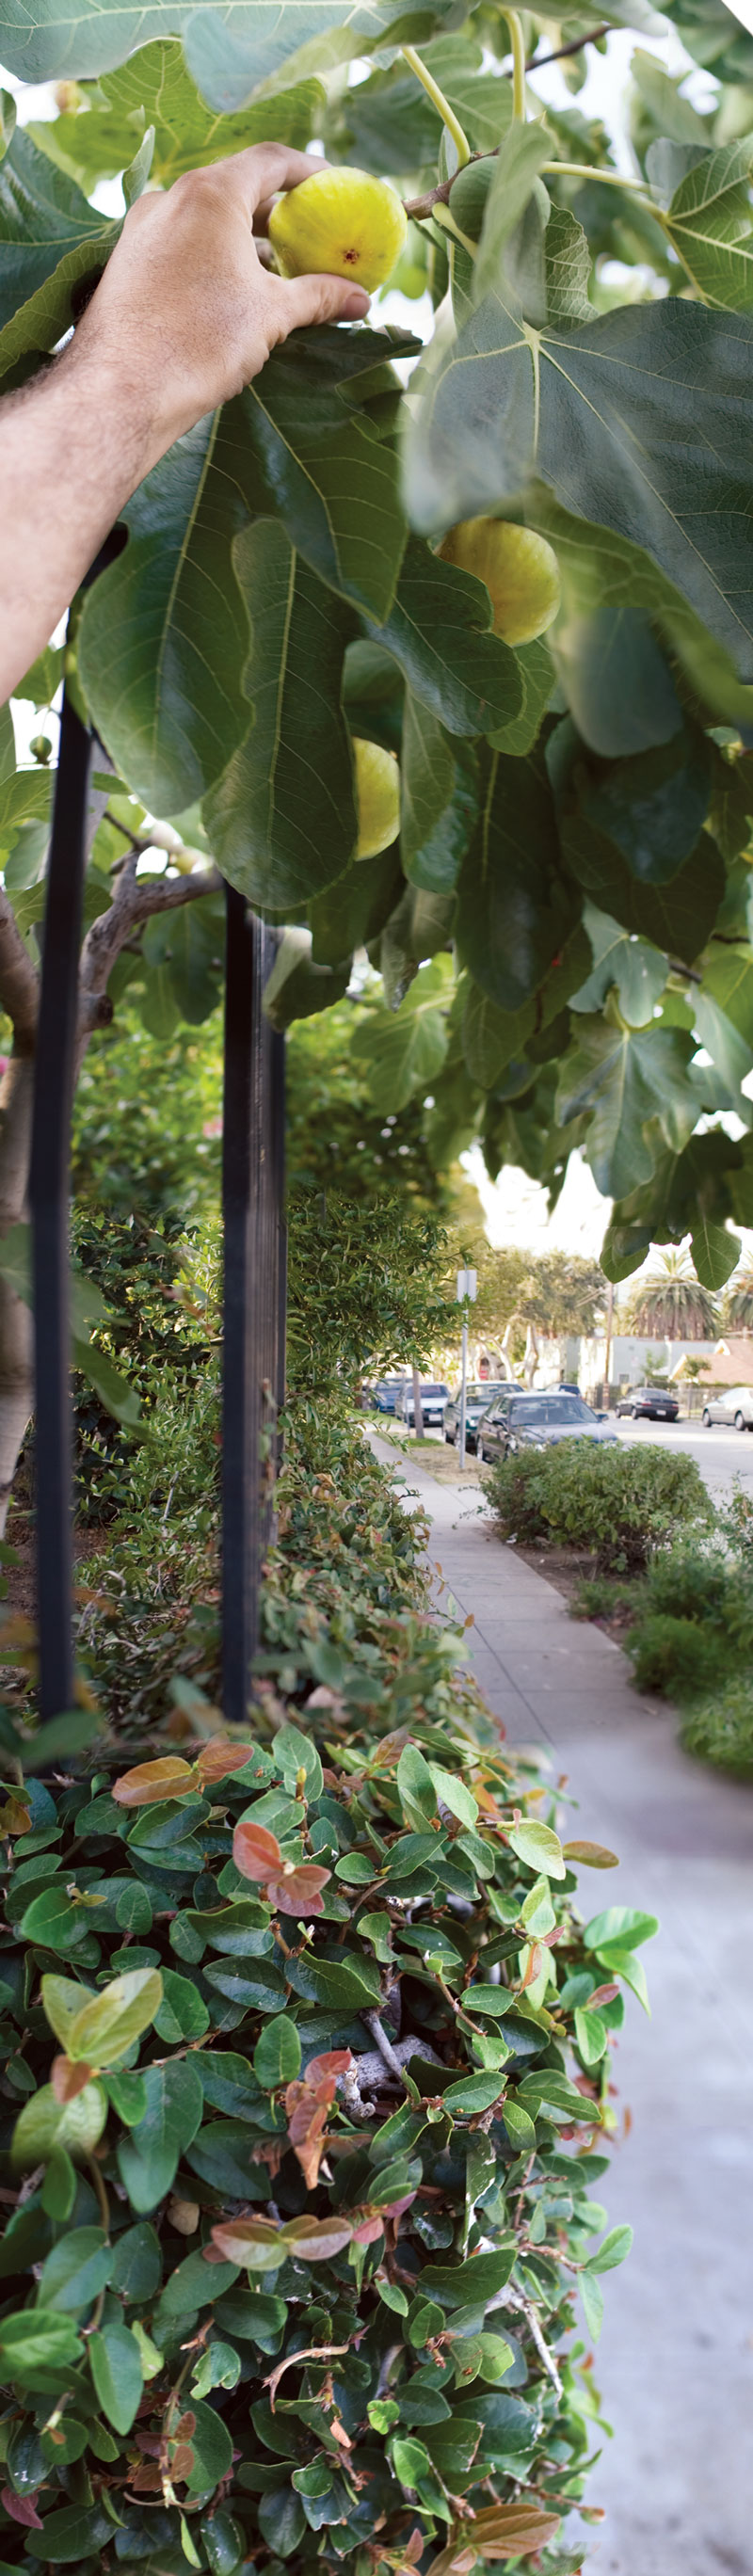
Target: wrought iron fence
253, 1157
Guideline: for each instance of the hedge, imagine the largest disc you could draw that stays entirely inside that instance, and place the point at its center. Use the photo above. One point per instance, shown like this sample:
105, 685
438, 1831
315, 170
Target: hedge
306, 2082
621, 1504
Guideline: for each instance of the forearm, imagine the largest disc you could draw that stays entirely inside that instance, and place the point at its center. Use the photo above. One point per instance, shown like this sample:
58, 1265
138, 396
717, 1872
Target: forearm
73, 446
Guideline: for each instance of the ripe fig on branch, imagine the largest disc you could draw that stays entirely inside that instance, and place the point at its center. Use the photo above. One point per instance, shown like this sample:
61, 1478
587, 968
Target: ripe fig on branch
339, 223
377, 798
519, 568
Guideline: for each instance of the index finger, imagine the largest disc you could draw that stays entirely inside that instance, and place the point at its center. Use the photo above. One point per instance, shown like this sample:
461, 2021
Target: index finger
265, 168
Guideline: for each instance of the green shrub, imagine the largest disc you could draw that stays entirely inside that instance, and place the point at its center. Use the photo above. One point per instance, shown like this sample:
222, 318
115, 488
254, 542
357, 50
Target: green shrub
695, 1622
600, 1597
279, 2197
300, 2107
620, 1504
720, 1727
678, 1656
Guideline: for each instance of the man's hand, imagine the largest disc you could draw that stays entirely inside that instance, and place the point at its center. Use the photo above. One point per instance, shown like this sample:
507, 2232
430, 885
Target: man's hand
186, 307
185, 315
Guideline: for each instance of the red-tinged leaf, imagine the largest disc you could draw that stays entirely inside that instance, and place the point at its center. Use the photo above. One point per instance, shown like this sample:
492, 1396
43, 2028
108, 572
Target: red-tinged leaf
325, 2069
146, 2480
534, 1964
306, 2131
217, 1759
68, 2079
21, 2509
370, 2225
300, 1891
591, 1855
250, 2240
256, 1852
601, 1995
513, 2531
167, 1778
316, 2240
181, 2462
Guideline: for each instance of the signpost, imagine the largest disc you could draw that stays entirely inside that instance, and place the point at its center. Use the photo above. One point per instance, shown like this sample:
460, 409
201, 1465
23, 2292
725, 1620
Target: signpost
466, 1293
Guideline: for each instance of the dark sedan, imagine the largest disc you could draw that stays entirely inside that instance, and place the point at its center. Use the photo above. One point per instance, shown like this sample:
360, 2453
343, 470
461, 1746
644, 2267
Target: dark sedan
649, 1404
537, 1422
479, 1394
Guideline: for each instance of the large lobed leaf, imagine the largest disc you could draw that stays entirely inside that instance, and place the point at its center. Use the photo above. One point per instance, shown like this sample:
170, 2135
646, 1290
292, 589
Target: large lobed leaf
639, 421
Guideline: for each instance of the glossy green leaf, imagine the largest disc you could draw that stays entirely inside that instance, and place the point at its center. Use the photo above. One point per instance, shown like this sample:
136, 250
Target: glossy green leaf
624, 1079
76, 2270
404, 1049
277, 2055
539, 1848
637, 971
506, 930
164, 633
282, 819
709, 224
309, 447
438, 799
616, 400
148, 2157
154, 87
89, 40
440, 633
51, 239
115, 2363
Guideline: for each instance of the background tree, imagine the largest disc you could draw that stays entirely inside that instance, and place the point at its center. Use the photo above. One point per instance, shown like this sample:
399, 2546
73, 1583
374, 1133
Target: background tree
672, 1304
737, 1313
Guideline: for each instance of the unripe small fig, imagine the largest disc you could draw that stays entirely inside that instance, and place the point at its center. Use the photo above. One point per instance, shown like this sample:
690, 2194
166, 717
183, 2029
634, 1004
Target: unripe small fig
41, 746
339, 223
377, 798
519, 568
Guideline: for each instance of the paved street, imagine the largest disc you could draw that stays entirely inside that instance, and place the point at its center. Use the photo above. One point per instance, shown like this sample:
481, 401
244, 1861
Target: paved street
675, 2363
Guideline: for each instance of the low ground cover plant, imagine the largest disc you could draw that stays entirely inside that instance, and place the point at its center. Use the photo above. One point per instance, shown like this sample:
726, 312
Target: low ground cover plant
620, 1505
306, 2082
306, 2063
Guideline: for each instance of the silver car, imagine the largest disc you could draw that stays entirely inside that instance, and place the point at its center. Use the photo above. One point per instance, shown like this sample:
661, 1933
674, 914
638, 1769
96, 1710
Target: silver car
734, 1404
479, 1394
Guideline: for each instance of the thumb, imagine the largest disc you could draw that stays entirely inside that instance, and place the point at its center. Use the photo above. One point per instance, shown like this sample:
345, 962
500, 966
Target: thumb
322, 299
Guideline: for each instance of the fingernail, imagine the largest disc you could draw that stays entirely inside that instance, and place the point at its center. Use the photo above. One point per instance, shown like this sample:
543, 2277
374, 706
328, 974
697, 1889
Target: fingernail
356, 305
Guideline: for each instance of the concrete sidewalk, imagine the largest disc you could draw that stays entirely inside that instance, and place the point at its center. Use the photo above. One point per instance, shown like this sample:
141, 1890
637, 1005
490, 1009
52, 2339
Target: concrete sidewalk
675, 2361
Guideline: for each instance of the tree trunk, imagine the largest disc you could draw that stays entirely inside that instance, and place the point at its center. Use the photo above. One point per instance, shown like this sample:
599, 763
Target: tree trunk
418, 1419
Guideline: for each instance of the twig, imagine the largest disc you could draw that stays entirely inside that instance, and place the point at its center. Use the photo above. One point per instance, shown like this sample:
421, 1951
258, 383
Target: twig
311, 2352
384, 2044
537, 62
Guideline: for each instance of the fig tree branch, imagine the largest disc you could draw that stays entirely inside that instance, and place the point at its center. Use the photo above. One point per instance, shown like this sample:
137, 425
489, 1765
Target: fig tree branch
135, 899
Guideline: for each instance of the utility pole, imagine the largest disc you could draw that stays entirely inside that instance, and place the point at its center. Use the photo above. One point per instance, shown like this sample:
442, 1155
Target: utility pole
467, 1292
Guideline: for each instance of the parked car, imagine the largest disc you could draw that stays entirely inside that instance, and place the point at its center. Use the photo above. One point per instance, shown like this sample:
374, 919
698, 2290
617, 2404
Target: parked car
479, 1394
433, 1401
385, 1394
649, 1403
734, 1404
536, 1422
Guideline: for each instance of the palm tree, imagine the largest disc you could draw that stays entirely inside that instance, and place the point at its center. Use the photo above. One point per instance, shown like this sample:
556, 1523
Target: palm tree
672, 1302
738, 1304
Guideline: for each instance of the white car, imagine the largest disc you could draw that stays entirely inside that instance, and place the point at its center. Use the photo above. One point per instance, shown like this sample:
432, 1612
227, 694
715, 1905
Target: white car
433, 1401
734, 1404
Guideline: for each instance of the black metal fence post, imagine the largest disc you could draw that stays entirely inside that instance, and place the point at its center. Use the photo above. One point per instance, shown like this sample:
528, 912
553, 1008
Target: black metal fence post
255, 1268
253, 1335
49, 1194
